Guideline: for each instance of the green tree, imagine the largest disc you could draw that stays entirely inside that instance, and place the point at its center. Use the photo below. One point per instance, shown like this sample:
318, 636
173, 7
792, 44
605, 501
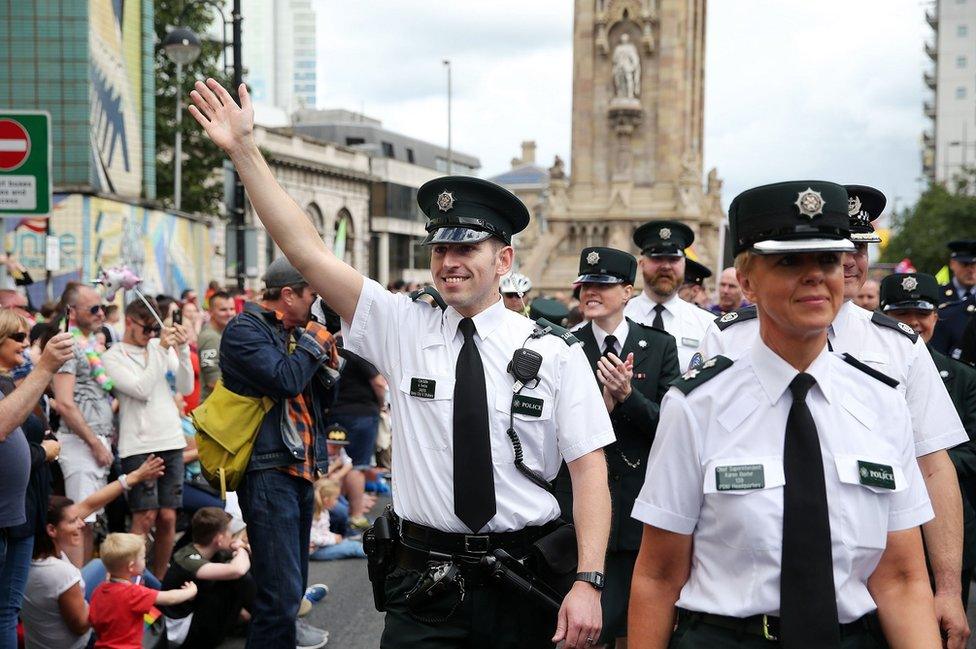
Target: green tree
202, 181
940, 215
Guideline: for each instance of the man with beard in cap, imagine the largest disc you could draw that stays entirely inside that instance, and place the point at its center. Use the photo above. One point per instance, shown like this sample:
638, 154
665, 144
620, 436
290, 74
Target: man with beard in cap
662, 263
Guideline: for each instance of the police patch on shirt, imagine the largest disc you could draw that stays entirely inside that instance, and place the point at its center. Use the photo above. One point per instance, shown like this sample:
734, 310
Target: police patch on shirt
528, 406
423, 388
876, 475
742, 476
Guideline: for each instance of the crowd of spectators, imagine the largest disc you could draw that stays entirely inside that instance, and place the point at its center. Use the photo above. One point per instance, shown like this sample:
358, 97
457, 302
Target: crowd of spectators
109, 533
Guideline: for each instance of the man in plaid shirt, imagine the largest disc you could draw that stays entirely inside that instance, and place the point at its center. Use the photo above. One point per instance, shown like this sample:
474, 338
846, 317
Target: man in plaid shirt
273, 349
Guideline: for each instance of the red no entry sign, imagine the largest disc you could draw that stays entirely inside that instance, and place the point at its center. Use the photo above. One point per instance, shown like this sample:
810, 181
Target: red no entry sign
14, 145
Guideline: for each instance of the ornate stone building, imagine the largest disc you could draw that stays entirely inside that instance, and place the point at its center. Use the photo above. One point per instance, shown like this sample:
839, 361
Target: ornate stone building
638, 69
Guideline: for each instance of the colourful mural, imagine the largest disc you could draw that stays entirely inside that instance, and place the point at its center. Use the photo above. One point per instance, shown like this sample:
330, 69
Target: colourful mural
171, 253
115, 42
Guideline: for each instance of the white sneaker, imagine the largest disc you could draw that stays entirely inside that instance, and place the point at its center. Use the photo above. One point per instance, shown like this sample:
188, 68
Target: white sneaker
309, 637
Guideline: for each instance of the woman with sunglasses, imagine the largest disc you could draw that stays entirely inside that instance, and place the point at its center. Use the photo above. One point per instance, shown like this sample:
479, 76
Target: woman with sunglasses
23, 456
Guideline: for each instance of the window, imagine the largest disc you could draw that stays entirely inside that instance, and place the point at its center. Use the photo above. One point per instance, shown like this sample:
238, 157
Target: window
353, 141
962, 30
410, 155
387, 149
961, 92
960, 61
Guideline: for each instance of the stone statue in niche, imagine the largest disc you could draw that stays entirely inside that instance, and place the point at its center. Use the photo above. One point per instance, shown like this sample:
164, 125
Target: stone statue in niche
626, 69
558, 168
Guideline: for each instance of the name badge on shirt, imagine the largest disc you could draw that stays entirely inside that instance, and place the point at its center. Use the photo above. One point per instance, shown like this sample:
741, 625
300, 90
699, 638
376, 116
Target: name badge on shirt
423, 388
690, 342
528, 406
742, 476
876, 475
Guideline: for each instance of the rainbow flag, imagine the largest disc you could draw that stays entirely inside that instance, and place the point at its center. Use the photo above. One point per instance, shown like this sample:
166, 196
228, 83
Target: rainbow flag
151, 617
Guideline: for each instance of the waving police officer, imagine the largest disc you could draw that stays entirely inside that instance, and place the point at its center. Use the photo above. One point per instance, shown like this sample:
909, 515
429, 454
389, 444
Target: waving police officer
462, 486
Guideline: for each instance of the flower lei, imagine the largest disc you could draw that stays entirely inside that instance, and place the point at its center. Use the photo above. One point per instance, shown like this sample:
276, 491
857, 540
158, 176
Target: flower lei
94, 359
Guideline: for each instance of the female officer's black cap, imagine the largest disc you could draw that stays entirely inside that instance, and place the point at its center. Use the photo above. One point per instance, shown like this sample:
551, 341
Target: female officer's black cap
795, 216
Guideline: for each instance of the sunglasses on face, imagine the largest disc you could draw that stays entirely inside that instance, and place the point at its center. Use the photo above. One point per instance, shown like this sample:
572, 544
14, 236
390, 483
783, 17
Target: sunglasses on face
150, 329
94, 310
18, 336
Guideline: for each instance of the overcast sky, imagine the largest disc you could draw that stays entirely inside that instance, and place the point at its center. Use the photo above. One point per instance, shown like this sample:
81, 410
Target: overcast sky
794, 89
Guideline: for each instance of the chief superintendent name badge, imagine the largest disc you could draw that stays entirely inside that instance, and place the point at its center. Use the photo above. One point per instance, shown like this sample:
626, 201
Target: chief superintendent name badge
742, 476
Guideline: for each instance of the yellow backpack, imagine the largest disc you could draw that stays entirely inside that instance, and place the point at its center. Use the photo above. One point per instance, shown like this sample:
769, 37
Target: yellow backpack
227, 424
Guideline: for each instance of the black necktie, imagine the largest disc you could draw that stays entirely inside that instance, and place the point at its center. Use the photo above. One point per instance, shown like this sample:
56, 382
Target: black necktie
474, 482
609, 345
658, 320
808, 603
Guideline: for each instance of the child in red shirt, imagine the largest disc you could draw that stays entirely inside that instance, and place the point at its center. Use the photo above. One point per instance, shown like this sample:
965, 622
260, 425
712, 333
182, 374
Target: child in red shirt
118, 605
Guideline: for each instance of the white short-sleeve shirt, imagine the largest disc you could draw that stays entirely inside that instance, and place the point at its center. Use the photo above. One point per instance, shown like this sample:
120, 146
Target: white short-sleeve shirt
683, 320
935, 422
738, 419
416, 346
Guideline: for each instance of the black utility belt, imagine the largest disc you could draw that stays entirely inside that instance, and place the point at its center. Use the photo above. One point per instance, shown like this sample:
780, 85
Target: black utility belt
767, 626
421, 537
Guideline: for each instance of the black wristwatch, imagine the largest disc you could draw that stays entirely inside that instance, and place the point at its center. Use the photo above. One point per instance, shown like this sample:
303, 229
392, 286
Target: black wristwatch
594, 579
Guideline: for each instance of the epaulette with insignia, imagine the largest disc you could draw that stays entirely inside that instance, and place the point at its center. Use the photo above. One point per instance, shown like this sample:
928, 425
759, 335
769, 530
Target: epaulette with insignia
740, 315
436, 299
882, 320
698, 375
544, 327
870, 371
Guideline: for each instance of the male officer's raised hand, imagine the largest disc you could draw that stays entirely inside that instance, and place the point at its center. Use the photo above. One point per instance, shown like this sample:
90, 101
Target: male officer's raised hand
229, 126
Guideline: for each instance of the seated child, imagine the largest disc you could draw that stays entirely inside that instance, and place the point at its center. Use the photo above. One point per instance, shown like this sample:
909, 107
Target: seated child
118, 605
220, 567
326, 545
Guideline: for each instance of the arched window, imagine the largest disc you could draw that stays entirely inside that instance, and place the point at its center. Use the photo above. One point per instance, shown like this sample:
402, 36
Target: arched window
318, 220
344, 236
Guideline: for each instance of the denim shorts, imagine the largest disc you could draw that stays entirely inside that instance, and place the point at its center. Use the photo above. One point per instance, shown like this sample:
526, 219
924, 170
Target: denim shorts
166, 492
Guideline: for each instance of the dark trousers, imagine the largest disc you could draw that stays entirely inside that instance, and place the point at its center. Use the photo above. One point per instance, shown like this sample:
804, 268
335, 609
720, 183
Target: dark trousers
616, 595
215, 610
488, 618
277, 508
690, 635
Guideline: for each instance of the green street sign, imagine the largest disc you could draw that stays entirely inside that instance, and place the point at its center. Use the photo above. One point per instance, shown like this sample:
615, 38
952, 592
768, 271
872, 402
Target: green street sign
25, 162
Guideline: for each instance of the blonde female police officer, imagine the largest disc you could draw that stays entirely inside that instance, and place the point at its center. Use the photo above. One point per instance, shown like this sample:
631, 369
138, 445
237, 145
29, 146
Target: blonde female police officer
455, 483
782, 498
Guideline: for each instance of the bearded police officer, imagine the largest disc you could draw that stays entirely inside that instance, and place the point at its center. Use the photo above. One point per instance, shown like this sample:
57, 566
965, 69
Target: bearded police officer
662, 264
634, 364
912, 298
782, 499
894, 349
464, 487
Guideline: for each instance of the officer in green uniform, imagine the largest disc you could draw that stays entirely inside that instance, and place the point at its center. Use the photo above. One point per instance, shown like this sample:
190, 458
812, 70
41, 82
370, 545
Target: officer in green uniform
912, 298
634, 364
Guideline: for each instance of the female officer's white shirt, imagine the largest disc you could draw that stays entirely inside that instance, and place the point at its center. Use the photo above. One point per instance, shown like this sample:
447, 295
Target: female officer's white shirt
935, 422
416, 348
738, 419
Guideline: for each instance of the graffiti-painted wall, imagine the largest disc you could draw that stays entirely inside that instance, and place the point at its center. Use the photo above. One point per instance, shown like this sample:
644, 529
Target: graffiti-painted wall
169, 252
